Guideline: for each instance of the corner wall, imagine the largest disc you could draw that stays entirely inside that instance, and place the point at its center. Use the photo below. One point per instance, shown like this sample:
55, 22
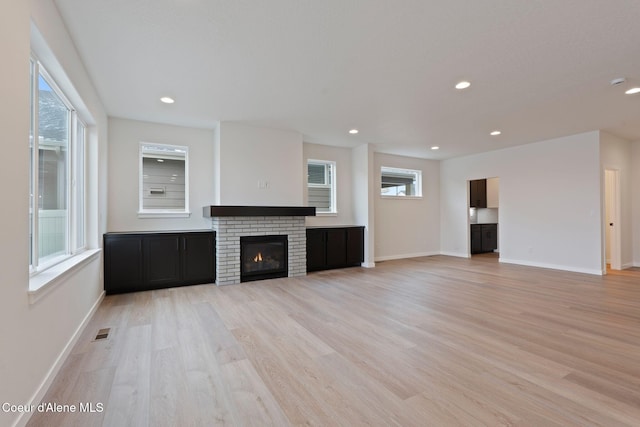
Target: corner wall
362, 170
550, 204
407, 227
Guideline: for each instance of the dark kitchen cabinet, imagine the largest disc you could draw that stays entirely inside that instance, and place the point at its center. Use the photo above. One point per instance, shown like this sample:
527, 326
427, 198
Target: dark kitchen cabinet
489, 237
145, 261
476, 238
334, 247
484, 238
478, 193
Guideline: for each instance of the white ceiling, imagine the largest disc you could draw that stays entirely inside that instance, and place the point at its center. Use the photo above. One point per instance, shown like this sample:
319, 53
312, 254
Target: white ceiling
539, 69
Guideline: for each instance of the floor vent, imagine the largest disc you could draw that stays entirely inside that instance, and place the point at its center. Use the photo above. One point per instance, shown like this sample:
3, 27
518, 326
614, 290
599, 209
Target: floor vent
102, 334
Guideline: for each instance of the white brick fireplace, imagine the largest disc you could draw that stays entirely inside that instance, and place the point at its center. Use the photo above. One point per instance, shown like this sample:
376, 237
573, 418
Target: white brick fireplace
232, 222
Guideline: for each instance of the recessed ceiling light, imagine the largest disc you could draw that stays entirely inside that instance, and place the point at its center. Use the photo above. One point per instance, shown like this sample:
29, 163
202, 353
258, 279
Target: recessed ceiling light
160, 160
353, 131
633, 91
167, 100
435, 147
495, 133
463, 85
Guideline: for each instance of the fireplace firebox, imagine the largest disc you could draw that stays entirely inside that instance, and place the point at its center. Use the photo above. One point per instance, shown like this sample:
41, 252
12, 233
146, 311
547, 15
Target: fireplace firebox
263, 257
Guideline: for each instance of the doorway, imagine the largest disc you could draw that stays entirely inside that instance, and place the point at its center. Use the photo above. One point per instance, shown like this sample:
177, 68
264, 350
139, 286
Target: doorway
483, 206
612, 241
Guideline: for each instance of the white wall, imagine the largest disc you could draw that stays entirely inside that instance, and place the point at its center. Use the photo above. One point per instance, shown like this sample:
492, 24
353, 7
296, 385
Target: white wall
34, 336
344, 202
124, 139
362, 171
259, 166
408, 227
615, 153
550, 208
635, 184
216, 165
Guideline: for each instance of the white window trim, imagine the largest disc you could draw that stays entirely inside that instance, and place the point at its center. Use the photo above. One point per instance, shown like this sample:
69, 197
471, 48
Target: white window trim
333, 186
401, 197
163, 213
41, 273
45, 281
411, 197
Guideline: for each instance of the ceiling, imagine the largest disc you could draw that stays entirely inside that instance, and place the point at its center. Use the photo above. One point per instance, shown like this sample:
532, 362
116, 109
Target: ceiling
538, 69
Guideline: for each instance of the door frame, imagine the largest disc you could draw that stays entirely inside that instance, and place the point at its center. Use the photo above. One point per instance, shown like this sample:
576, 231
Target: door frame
611, 201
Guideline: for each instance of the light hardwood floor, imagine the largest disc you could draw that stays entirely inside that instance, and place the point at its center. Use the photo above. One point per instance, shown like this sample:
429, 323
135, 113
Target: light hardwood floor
435, 341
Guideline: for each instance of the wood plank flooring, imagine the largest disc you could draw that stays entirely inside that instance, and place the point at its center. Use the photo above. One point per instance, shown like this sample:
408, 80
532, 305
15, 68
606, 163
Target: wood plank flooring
435, 341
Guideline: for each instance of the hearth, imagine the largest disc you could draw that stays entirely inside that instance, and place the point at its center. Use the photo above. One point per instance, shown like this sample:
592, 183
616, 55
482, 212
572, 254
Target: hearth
263, 257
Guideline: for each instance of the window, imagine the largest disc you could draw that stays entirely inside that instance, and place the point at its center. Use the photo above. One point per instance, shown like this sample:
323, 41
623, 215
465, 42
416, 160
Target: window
397, 182
321, 185
164, 180
57, 174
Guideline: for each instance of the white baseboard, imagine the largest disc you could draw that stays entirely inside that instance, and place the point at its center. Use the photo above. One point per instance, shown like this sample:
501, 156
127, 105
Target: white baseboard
552, 266
456, 254
368, 264
628, 265
23, 419
404, 256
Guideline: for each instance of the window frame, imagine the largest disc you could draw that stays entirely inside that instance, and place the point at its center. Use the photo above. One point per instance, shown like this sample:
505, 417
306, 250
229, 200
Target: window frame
77, 152
417, 180
331, 175
162, 213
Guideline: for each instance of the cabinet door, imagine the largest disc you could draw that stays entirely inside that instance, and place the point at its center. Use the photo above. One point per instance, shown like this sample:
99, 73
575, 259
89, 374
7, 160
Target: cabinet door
336, 247
122, 263
355, 245
316, 250
198, 258
478, 193
489, 237
476, 239
161, 260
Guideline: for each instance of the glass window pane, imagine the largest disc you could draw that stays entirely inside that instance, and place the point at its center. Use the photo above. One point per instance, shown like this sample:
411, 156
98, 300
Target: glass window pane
164, 178
315, 174
53, 153
400, 182
320, 186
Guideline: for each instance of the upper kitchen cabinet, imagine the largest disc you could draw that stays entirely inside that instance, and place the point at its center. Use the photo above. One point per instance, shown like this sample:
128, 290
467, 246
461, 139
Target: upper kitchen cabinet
478, 193
492, 192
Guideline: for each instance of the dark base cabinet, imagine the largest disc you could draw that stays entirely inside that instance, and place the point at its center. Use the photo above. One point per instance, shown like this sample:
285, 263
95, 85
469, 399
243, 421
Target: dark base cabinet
484, 238
334, 247
145, 261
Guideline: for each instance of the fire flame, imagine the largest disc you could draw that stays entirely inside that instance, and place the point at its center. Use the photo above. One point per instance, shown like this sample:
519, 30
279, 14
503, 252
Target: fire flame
258, 257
